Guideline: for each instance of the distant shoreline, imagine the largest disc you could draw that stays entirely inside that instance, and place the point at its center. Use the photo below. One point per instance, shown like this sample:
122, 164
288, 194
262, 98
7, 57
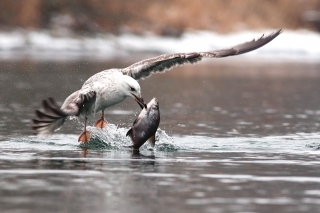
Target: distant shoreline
43, 45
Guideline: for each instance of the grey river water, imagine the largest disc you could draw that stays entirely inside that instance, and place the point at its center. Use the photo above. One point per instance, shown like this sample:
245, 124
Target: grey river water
235, 136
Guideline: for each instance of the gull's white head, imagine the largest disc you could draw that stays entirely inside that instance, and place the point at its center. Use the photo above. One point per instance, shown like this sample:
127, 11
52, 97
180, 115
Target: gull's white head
131, 88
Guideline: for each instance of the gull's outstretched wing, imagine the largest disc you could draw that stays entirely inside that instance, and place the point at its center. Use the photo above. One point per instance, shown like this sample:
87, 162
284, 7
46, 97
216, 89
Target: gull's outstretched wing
145, 68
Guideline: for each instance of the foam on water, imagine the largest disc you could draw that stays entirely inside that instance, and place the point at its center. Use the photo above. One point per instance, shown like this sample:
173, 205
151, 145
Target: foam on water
55, 142
114, 138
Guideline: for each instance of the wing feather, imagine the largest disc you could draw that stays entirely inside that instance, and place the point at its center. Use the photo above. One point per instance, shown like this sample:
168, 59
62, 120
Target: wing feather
162, 63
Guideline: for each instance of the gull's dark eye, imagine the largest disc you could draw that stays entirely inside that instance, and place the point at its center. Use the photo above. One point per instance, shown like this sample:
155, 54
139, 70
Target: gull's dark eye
132, 89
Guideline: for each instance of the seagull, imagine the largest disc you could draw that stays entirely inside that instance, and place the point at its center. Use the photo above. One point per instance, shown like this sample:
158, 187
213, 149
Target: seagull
112, 86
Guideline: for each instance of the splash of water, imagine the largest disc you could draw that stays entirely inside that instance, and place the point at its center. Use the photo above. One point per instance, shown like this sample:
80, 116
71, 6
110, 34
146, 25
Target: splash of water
114, 138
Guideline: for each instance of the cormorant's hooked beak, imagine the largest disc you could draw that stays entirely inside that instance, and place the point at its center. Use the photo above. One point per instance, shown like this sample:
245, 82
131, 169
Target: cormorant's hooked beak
140, 101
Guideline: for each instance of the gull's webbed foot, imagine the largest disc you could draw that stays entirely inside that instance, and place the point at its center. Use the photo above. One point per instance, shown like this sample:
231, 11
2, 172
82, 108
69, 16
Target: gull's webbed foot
84, 136
101, 123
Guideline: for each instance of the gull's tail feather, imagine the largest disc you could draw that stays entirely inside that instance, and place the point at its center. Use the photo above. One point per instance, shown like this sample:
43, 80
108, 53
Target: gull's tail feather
51, 119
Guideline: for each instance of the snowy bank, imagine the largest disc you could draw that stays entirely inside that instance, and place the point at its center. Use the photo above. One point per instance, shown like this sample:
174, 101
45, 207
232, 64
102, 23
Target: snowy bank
300, 45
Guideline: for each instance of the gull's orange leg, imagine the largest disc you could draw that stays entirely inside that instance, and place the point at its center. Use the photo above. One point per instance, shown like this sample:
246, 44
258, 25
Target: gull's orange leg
85, 135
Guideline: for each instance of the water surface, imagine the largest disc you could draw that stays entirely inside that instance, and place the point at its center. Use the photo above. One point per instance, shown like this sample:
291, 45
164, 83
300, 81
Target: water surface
235, 136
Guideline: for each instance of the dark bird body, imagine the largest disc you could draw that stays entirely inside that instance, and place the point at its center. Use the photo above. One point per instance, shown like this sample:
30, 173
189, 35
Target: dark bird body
145, 126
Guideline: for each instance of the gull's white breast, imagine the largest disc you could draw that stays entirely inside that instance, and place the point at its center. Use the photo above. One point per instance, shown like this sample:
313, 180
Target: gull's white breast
108, 86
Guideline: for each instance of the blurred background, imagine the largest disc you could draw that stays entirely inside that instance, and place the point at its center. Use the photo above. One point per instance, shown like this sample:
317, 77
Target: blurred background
166, 17
48, 29
109, 27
